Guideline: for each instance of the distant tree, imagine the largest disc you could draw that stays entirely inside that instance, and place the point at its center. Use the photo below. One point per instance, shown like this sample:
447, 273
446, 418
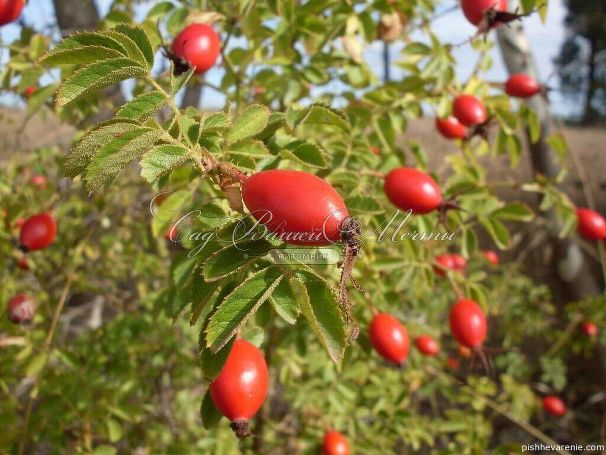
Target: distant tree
582, 60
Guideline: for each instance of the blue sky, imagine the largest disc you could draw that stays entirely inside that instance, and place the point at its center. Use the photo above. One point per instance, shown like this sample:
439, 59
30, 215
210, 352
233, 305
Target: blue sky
545, 40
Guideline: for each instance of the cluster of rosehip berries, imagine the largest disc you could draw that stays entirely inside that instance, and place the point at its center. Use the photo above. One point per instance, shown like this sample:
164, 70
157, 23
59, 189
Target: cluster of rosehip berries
320, 209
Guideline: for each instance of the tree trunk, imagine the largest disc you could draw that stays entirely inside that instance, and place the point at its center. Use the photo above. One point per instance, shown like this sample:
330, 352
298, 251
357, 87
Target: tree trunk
192, 95
569, 265
74, 15
589, 113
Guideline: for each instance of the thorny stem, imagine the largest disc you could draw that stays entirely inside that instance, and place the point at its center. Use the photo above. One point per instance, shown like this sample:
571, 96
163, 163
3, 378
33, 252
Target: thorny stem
577, 318
530, 429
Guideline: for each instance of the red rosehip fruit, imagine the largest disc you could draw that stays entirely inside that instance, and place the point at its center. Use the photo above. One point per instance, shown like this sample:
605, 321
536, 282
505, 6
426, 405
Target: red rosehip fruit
469, 110
452, 363
554, 406
411, 189
459, 263
427, 345
199, 45
241, 387
38, 232
589, 329
29, 91
474, 10
389, 338
375, 150
10, 10
335, 443
22, 263
491, 257
468, 323
522, 86
590, 224
39, 181
446, 262
298, 207
451, 128
21, 309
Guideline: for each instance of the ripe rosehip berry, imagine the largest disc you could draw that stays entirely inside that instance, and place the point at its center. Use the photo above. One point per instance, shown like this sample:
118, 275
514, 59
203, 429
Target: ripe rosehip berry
427, 345
29, 91
241, 387
474, 10
39, 181
491, 257
375, 150
38, 232
452, 363
554, 406
198, 45
446, 263
22, 263
469, 110
410, 189
451, 128
335, 443
21, 309
522, 86
459, 263
590, 329
590, 224
10, 10
300, 208
468, 323
389, 338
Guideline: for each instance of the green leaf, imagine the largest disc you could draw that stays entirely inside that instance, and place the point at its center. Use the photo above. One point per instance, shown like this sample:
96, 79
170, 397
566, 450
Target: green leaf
469, 242
319, 114
178, 82
232, 258
308, 154
38, 99
140, 38
162, 159
252, 121
217, 121
36, 364
92, 141
79, 55
132, 49
117, 154
497, 231
250, 148
143, 105
515, 211
105, 450
417, 49
114, 430
321, 309
363, 204
96, 76
239, 306
284, 302
90, 39
209, 414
